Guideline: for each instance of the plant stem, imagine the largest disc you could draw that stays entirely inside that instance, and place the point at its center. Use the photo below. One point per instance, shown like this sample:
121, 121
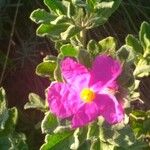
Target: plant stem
83, 38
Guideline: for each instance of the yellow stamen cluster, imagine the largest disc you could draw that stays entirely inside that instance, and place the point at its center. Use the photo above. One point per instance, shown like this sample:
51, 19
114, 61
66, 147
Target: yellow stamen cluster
87, 95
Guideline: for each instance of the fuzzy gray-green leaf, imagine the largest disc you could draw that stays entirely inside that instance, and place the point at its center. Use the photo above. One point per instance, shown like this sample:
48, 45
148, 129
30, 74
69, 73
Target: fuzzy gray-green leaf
49, 123
134, 43
3, 109
35, 101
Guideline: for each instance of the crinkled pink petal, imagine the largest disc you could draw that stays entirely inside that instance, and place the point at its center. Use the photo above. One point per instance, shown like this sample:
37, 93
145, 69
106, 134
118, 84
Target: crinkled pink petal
104, 71
63, 100
110, 108
87, 113
75, 73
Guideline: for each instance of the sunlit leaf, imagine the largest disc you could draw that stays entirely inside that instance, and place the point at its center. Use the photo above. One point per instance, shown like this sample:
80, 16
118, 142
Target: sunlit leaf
49, 123
71, 31
69, 50
3, 109
41, 16
46, 69
134, 43
10, 123
35, 101
55, 6
56, 141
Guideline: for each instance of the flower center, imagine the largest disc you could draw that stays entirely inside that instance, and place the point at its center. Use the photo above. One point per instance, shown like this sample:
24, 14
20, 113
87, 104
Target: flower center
87, 95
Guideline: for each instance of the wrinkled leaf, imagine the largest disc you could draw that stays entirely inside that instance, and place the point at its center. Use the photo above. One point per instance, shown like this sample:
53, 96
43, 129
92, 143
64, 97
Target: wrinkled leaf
69, 50
84, 58
108, 44
71, 31
79, 138
50, 30
55, 6
35, 101
60, 19
11, 122
93, 48
57, 71
3, 109
49, 123
134, 43
141, 71
41, 16
126, 54
118, 135
46, 69
144, 34
55, 141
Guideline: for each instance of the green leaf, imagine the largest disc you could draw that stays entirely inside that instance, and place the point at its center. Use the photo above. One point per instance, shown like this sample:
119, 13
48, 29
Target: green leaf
18, 141
90, 5
142, 70
108, 44
84, 58
144, 34
69, 50
134, 43
93, 48
55, 141
79, 137
95, 145
60, 19
13, 141
3, 109
70, 8
46, 69
35, 101
146, 126
50, 58
50, 30
70, 32
126, 79
49, 123
118, 135
79, 3
57, 72
104, 10
125, 53
41, 16
5, 143
106, 146
93, 130
55, 6
10, 123
140, 145
85, 146
103, 5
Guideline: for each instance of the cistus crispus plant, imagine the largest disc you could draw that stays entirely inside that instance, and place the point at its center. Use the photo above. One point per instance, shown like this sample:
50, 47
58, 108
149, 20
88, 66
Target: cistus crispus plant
9, 137
90, 103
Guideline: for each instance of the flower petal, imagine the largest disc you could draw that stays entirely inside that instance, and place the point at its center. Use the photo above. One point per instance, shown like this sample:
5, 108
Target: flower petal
110, 108
75, 73
87, 113
104, 71
63, 100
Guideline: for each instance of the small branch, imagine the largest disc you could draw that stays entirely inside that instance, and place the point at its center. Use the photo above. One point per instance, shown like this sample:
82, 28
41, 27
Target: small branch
10, 42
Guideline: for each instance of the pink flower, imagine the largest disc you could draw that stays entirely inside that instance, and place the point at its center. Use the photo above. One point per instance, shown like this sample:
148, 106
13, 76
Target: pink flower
87, 94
